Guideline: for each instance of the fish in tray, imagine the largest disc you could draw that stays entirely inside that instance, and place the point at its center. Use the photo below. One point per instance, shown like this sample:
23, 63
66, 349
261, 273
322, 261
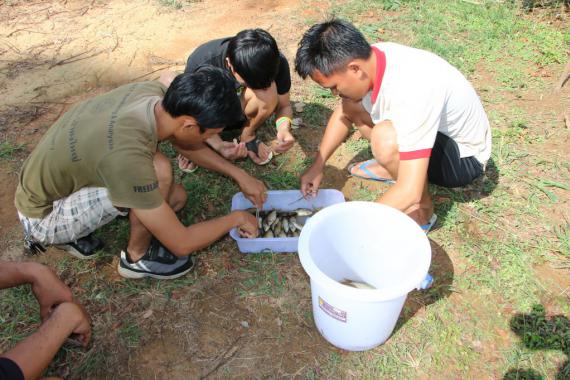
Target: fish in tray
279, 223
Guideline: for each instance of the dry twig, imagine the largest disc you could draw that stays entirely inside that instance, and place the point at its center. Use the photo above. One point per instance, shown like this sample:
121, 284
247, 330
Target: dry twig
71, 59
223, 358
147, 74
24, 30
563, 77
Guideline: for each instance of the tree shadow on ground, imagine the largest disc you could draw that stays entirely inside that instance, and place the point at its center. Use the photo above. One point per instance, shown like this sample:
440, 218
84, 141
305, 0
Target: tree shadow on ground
441, 269
541, 332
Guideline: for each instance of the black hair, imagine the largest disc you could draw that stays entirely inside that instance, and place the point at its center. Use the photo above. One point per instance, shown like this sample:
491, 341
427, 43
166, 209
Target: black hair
209, 96
329, 46
255, 57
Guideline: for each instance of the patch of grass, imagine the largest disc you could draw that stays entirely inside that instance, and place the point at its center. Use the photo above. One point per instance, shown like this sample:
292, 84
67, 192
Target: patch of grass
8, 149
466, 34
363, 193
300, 165
130, 333
176, 4
90, 362
208, 194
322, 93
563, 237
317, 114
20, 315
357, 146
263, 275
280, 180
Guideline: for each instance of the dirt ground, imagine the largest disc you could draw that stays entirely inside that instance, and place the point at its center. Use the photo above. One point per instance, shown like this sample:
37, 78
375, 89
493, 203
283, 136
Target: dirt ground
55, 53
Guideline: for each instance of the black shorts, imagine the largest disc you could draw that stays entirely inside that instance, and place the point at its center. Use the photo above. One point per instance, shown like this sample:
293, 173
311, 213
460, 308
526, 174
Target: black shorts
9, 370
447, 168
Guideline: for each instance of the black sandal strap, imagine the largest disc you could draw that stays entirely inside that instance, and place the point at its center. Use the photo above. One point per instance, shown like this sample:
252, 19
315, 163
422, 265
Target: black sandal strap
253, 146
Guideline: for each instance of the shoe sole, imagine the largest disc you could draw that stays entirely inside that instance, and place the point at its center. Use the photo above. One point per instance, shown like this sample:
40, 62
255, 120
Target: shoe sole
75, 252
127, 273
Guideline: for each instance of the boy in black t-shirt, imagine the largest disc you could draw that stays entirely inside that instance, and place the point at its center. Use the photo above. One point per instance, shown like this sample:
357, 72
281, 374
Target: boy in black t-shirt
263, 82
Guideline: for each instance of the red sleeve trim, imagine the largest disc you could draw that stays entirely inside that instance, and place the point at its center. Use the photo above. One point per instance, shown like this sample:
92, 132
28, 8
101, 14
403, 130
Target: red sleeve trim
415, 154
380, 68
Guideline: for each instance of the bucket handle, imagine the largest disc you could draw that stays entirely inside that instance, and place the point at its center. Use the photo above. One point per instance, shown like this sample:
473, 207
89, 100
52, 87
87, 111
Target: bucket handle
426, 283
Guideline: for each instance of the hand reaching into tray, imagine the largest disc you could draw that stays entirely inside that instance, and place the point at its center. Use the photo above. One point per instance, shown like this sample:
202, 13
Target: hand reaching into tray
248, 227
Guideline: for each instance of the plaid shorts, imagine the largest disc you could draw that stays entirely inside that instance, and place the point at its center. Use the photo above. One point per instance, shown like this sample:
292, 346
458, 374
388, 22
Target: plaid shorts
72, 218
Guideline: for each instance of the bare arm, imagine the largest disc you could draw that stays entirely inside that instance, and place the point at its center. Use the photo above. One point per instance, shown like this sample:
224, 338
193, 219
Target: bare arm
336, 131
34, 353
284, 106
46, 286
205, 157
14, 274
230, 150
408, 189
285, 139
182, 241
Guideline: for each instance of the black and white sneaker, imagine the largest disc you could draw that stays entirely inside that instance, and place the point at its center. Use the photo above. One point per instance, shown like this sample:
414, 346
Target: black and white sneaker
157, 262
84, 248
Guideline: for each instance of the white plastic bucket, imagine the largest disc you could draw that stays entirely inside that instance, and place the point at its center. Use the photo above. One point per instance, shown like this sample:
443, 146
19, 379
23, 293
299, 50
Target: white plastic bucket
365, 242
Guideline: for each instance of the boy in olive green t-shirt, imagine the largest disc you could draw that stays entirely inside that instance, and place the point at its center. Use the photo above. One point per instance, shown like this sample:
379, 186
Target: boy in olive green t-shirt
100, 160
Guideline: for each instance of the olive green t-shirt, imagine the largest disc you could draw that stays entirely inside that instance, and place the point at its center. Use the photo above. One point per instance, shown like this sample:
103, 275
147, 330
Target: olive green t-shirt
107, 141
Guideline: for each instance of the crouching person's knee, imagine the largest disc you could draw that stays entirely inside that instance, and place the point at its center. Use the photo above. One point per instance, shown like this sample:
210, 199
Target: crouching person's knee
384, 143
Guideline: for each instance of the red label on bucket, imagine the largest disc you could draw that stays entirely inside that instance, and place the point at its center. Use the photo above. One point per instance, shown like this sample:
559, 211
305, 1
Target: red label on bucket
332, 311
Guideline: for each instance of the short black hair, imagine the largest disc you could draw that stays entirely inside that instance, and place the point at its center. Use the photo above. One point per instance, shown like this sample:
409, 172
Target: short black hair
329, 46
209, 96
255, 57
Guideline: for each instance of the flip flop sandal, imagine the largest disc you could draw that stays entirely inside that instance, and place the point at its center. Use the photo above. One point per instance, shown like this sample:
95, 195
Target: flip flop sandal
188, 170
253, 146
429, 225
370, 176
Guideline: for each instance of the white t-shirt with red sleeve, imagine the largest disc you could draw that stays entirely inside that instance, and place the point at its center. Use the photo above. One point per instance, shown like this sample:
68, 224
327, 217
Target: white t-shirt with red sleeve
422, 94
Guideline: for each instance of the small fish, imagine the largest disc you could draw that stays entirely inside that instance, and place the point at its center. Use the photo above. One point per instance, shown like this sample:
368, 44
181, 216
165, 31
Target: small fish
356, 284
304, 212
271, 217
297, 226
285, 224
266, 225
291, 223
277, 228
268, 234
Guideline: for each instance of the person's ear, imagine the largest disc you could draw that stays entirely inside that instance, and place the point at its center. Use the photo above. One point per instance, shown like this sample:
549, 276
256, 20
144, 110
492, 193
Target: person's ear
189, 125
229, 65
354, 67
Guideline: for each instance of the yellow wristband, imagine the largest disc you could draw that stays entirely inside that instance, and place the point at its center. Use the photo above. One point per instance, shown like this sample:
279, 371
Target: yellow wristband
282, 120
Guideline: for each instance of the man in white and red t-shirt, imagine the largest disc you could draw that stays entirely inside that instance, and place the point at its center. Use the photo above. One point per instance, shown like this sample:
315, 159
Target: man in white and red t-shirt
424, 120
